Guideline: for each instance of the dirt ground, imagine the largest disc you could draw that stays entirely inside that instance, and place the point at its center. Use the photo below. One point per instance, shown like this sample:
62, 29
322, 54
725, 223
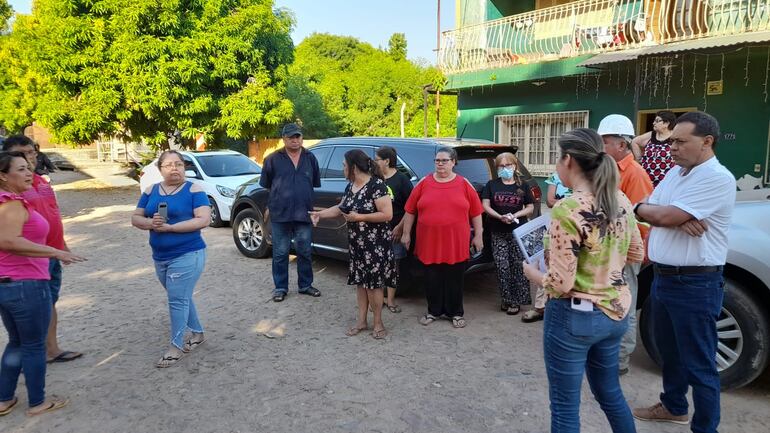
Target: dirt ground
488, 377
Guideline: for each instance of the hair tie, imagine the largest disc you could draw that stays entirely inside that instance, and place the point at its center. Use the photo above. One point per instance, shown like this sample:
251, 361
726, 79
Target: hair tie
600, 155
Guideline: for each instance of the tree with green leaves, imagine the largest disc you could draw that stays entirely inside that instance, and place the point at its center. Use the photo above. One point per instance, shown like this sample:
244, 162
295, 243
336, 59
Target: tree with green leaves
152, 69
397, 46
348, 87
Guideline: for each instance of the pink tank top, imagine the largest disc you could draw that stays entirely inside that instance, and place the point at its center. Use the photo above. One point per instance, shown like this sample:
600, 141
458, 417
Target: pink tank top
36, 230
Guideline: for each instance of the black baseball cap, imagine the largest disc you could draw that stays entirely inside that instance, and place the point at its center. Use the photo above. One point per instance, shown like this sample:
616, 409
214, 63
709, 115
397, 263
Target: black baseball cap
291, 129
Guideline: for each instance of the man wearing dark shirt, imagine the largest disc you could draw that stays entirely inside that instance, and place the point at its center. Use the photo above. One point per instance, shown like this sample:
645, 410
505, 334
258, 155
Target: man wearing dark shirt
291, 174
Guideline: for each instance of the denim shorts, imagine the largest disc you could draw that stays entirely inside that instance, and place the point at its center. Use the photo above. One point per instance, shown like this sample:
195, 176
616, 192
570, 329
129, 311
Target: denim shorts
399, 252
54, 268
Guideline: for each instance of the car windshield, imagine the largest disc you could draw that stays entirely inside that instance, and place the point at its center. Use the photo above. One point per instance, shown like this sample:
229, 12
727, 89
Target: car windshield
477, 170
227, 165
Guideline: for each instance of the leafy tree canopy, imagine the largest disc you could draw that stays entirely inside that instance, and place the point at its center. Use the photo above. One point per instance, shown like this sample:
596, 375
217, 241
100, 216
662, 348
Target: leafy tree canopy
342, 86
148, 69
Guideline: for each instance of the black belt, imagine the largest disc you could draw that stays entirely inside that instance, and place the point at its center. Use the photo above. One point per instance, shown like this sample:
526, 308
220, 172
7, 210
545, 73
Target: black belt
6, 280
685, 270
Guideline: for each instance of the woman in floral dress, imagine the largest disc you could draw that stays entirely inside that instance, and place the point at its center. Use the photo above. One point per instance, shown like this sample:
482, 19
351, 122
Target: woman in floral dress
367, 208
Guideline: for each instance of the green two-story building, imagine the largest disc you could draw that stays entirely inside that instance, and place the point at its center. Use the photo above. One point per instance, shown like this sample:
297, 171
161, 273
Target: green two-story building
528, 70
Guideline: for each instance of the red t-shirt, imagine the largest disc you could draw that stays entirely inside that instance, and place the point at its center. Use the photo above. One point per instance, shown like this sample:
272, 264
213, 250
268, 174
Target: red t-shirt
43, 200
443, 214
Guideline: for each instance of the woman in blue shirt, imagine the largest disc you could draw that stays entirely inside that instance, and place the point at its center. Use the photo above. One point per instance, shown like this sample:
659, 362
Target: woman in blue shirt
177, 247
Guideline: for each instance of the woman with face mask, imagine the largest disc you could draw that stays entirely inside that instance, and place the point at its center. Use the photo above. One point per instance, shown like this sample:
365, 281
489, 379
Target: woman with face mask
508, 202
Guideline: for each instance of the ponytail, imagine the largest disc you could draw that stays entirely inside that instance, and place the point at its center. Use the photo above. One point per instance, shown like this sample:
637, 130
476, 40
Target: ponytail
585, 146
357, 158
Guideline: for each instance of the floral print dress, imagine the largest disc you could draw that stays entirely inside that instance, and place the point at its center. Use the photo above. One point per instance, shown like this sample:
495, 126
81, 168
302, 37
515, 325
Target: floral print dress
371, 254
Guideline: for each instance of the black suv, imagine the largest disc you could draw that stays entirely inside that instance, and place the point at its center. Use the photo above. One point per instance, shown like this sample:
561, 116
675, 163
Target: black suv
251, 219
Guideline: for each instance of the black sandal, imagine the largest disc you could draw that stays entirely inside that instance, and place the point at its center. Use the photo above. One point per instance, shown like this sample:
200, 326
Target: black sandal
279, 298
171, 360
513, 310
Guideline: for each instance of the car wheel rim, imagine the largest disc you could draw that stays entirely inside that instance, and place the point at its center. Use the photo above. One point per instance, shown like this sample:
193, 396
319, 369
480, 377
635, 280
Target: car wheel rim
250, 234
214, 215
730, 340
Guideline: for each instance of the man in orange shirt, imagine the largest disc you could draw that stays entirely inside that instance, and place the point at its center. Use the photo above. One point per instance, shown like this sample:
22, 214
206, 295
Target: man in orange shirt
617, 131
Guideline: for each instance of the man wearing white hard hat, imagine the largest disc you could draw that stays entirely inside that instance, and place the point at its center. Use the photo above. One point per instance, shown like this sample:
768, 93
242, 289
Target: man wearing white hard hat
617, 131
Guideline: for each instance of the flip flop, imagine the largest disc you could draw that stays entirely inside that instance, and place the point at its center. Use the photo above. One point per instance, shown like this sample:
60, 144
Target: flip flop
190, 345
55, 403
354, 331
427, 319
9, 409
170, 360
65, 356
379, 335
393, 308
459, 322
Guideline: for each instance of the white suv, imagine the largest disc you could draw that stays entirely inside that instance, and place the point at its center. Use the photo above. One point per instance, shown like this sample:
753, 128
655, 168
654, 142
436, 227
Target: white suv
219, 173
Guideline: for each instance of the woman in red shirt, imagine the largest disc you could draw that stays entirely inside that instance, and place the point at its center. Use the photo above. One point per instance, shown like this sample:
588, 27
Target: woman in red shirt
445, 203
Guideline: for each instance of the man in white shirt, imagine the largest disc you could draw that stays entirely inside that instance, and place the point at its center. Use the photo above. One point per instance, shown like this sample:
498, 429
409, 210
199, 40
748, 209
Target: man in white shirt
690, 212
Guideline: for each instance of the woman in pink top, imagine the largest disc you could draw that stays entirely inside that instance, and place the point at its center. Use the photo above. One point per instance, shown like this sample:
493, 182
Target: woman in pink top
25, 299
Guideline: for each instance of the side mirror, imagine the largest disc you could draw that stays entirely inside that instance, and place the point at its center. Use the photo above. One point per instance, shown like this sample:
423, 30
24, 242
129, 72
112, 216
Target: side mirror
190, 173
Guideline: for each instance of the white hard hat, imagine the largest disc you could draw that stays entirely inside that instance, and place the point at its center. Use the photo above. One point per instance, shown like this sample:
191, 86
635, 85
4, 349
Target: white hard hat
616, 124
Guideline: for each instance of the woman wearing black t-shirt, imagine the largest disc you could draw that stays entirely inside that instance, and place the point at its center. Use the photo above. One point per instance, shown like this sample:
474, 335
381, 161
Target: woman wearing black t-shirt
399, 189
508, 201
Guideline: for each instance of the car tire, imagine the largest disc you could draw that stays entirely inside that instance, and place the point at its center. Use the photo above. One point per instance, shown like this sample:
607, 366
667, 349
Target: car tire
249, 234
216, 219
744, 336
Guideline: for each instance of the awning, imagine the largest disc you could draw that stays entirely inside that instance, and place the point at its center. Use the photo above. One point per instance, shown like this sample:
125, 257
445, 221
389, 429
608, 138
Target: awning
612, 57
705, 43
674, 47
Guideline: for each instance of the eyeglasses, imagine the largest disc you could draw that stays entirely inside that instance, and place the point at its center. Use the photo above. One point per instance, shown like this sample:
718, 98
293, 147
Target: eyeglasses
440, 161
173, 165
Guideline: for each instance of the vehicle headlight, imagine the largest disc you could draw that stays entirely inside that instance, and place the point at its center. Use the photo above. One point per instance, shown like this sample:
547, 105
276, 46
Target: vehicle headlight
225, 191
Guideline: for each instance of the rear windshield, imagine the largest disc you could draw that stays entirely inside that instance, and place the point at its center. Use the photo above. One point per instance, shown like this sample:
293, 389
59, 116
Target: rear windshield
478, 165
227, 165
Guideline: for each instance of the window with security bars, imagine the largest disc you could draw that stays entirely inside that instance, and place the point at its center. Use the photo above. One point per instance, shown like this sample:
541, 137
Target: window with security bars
536, 135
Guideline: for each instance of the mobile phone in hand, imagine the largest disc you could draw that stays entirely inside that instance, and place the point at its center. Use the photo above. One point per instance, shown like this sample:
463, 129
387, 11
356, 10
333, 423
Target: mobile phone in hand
163, 210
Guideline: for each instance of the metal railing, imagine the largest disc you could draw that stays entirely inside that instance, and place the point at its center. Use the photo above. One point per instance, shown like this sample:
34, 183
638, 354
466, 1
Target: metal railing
594, 26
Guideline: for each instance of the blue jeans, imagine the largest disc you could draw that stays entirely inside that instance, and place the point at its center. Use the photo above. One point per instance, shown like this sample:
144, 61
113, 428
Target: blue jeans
178, 276
54, 268
684, 310
575, 342
25, 307
283, 234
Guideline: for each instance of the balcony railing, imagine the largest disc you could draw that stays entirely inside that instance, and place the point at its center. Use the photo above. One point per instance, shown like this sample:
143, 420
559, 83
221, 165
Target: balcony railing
594, 26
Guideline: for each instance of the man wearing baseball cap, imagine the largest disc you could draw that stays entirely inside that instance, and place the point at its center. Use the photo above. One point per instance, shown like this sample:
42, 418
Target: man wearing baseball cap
291, 174
617, 132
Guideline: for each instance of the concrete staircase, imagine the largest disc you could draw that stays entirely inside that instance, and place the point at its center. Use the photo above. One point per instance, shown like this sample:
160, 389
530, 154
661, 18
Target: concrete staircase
87, 161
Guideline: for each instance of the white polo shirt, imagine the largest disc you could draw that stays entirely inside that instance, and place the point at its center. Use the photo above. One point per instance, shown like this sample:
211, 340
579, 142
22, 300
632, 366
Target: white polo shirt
707, 193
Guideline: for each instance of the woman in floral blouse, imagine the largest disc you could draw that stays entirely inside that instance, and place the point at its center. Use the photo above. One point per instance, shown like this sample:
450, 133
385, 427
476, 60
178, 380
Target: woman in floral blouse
367, 208
593, 234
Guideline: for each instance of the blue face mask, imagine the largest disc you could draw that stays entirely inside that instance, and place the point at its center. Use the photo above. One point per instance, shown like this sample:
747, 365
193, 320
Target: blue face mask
505, 173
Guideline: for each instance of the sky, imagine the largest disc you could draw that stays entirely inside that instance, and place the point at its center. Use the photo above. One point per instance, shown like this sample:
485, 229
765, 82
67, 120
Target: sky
370, 21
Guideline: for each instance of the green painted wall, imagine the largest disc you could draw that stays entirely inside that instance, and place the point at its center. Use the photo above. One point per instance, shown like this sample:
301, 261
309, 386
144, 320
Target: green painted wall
503, 8
743, 113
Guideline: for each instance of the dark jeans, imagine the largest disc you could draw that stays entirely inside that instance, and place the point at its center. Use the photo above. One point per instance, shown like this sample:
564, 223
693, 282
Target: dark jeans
684, 310
577, 342
283, 234
25, 307
444, 289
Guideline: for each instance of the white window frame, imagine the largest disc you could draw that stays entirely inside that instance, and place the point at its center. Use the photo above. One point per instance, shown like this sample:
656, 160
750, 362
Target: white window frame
535, 150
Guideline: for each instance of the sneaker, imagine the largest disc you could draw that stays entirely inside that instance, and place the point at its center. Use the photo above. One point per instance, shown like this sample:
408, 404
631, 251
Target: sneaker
658, 412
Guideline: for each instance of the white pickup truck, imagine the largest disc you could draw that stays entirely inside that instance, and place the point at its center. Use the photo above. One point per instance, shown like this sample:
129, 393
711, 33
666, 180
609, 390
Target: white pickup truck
744, 324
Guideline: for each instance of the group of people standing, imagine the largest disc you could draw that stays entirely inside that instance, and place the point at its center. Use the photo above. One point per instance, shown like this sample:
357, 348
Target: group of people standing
32, 252
611, 203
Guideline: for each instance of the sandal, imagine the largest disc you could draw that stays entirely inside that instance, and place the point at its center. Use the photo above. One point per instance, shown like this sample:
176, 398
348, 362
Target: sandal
532, 316
279, 298
504, 306
379, 334
53, 404
10, 407
167, 361
393, 308
427, 319
513, 310
459, 322
190, 345
354, 331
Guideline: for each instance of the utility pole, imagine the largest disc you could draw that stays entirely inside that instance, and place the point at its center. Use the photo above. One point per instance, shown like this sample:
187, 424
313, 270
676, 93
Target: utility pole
438, 55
